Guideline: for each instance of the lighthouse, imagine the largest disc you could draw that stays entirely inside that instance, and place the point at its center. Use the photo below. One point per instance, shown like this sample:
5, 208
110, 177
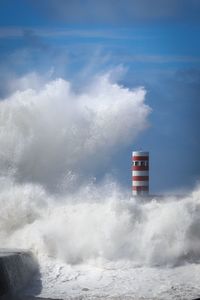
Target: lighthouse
140, 173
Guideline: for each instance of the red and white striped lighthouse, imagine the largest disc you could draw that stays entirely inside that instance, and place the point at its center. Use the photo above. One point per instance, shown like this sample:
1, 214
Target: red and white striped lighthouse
140, 173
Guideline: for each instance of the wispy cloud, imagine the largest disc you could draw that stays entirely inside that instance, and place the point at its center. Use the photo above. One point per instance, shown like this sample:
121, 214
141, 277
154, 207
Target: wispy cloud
117, 12
18, 32
37, 37
160, 58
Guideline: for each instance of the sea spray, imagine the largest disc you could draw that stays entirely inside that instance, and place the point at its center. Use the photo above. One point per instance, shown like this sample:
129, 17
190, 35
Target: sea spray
94, 223
49, 133
89, 234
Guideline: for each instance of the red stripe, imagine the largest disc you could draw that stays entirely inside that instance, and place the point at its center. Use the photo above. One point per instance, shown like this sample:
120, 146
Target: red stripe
140, 168
140, 188
140, 158
140, 178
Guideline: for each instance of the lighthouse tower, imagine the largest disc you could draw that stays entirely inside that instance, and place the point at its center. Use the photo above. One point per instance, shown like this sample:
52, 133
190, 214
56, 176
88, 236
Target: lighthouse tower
140, 173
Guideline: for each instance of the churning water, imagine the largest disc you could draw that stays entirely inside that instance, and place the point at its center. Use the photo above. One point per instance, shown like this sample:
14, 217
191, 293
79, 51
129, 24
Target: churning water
90, 238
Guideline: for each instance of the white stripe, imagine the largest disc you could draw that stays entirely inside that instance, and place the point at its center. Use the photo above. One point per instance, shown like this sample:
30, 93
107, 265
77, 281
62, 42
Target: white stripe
140, 173
140, 183
140, 153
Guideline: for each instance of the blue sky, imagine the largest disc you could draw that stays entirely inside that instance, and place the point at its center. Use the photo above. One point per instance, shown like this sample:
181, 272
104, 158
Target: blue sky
156, 41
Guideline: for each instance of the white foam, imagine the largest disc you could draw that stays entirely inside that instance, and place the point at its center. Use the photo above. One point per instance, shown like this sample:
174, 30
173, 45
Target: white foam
53, 134
101, 222
52, 139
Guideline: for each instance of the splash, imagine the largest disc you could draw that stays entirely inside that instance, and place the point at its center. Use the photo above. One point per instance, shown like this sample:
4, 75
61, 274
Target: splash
101, 223
52, 135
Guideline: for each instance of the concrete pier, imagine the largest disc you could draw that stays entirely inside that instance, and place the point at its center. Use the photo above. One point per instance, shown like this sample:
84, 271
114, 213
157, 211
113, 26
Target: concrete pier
16, 270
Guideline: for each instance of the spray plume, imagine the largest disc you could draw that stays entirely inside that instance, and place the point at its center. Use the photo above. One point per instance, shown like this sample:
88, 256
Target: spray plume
51, 133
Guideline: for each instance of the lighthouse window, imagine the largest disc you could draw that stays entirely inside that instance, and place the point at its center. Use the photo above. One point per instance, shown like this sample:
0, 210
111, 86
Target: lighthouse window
136, 163
142, 163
